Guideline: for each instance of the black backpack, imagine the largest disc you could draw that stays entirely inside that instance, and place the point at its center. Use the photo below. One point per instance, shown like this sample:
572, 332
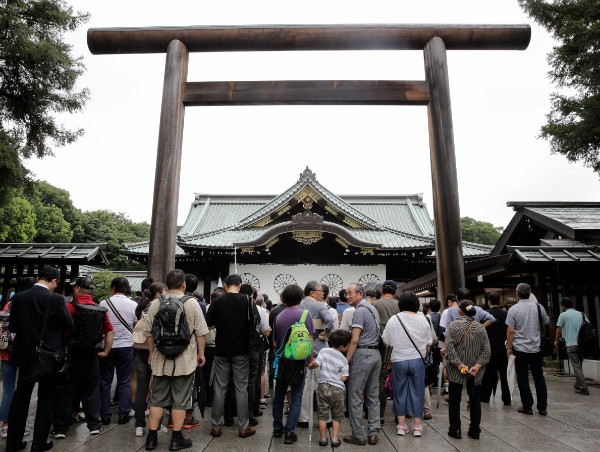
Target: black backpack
587, 338
170, 328
88, 323
435, 321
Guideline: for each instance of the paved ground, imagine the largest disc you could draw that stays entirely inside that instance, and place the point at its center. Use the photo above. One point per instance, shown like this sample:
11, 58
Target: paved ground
572, 424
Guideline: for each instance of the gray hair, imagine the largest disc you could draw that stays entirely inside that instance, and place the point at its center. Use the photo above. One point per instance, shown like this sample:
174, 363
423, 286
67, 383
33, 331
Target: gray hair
523, 291
260, 301
310, 286
358, 288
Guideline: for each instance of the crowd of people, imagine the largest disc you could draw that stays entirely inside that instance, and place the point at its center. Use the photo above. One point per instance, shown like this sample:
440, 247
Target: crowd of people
168, 349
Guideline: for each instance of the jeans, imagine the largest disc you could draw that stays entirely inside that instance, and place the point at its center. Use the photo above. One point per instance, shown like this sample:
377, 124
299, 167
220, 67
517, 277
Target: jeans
223, 367
364, 379
408, 382
533, 361
9, 381
120, 359
455, 392
144, 373
573, 354
296, 405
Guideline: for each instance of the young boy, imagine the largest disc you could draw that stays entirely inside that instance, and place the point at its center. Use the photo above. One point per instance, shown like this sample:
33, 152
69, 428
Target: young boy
330, 392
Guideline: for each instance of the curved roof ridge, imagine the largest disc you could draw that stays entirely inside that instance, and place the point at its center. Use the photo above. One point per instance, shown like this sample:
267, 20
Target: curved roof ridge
307, 177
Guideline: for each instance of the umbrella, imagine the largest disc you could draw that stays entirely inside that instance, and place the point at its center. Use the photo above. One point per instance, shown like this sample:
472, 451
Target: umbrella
200, 390
440, 383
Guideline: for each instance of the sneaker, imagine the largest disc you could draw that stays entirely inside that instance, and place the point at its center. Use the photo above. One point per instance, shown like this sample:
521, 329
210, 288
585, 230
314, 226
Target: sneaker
132, 413
139, 431
584, 391
418, 431
94, 432
263, 403
57, 435
163, 429
427, 416
402, 429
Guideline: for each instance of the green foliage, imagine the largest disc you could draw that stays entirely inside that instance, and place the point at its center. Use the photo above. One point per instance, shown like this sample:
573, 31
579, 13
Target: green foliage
479, 231
51, 225
115, 229
17, 221
37, 79
573, 127
102, 282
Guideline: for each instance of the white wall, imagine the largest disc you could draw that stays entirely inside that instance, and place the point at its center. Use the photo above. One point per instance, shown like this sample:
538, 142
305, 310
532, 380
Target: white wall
272, 278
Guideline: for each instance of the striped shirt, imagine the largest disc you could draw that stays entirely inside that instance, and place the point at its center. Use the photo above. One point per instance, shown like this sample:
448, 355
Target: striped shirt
333, 365
473, 349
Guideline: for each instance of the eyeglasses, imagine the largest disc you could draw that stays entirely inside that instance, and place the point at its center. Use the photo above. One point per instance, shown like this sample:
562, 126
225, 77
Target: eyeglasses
349, 292
317, 290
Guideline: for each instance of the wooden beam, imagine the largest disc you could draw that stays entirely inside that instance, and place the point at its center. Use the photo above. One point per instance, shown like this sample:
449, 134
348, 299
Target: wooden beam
446, 209
306, 92
163, 227
308, 37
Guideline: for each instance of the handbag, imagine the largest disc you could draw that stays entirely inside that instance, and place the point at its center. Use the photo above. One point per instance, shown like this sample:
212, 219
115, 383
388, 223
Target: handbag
48, 364
430, 373
546, 346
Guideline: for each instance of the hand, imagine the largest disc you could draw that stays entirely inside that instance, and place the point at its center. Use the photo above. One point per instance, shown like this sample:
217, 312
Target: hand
323, 336
201, 360
150, 359
556, 343
102, 354
508, 352
443, 352
473, 370
313, 365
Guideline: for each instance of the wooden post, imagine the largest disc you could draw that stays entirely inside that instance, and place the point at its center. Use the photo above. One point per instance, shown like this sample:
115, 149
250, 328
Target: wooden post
446, 211
163, 230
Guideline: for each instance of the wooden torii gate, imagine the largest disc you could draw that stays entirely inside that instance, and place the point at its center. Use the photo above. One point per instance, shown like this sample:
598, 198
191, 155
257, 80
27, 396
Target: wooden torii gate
434, 92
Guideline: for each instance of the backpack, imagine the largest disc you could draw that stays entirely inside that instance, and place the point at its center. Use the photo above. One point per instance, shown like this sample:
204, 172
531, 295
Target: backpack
5, 336
587, 338
88, 325
298, 346
170, 328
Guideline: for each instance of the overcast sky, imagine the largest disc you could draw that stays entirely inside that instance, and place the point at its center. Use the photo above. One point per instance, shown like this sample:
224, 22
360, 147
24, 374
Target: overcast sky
499, 102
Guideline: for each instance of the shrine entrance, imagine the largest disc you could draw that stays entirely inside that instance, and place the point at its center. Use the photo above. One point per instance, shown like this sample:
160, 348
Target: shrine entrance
434, 92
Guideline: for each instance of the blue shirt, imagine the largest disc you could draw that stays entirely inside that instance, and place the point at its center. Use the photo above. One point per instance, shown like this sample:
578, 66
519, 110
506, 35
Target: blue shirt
480, 316
570, 321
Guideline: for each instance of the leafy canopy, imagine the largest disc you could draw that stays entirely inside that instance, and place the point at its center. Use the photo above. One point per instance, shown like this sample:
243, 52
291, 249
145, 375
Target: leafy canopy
480, 231
38, 75
573, 127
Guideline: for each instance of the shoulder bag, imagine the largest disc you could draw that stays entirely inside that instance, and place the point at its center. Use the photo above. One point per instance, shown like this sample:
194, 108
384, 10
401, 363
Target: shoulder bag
119, 316
48, 364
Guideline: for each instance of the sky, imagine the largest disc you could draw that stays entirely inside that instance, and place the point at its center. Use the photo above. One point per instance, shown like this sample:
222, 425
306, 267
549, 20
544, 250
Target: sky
499, 102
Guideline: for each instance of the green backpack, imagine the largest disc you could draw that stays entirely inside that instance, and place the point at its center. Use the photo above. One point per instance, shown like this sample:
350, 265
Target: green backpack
298, 346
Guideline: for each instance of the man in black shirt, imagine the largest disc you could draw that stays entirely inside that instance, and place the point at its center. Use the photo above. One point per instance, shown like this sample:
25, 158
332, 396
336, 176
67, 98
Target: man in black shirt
229, 314
498, 361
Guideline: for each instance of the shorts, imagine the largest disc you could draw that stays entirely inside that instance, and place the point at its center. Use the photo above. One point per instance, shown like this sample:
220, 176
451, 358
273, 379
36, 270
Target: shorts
332, 398
175, 392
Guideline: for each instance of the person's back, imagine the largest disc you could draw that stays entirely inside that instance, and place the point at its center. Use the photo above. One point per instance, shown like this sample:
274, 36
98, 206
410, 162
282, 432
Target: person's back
229, 315
570, 321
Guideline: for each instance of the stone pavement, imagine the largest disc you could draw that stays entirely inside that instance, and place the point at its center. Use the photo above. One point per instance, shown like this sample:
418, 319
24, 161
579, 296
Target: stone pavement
572, 424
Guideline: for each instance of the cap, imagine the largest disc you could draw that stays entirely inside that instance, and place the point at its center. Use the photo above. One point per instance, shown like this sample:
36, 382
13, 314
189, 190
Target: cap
85, 282
389, 284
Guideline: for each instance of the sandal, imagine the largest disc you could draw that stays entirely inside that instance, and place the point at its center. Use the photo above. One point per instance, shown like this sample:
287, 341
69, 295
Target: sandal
337, 443
4, 431
323, 442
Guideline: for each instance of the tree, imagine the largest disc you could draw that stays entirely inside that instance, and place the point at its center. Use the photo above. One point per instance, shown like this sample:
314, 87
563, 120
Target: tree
115, 229
38, 75
573, 127
17, 221
51, 225
479, 231
102, 282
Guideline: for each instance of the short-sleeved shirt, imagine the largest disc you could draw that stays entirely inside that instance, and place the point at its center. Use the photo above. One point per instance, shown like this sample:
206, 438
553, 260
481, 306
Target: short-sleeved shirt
186, 362
230, 315
524, 317
125, 306
419, 330
453, 314
570, 321
333, 365
386, 307
263, 326
285, 319
366, 318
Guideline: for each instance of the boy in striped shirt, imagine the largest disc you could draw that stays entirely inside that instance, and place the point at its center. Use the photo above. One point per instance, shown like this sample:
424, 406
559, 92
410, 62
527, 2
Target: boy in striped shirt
330, 392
